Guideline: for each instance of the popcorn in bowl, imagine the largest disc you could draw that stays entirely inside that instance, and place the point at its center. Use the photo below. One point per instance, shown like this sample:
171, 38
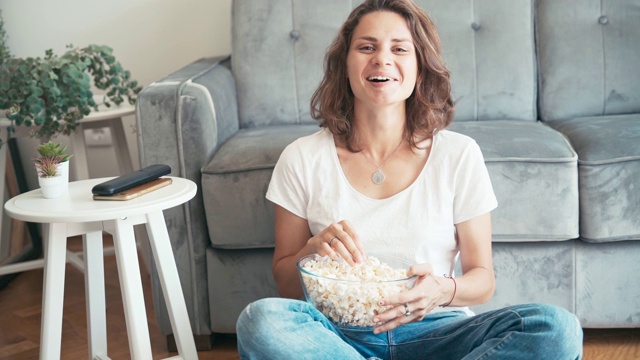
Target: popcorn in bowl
349, 295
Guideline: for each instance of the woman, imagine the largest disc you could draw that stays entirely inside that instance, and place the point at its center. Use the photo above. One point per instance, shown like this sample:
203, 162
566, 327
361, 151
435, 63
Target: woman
384, 177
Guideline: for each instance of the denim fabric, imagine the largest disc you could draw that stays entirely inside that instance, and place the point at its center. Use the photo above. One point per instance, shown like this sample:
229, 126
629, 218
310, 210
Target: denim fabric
290, 329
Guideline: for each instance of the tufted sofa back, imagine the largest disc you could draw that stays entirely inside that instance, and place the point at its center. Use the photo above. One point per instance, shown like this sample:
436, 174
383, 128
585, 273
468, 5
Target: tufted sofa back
489, 49
278, 49
589, 57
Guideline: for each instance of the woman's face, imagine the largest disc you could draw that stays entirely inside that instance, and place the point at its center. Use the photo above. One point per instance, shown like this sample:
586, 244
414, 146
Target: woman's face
381, 62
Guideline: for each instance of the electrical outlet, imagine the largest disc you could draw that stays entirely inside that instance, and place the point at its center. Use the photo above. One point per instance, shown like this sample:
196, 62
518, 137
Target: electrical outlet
98, 137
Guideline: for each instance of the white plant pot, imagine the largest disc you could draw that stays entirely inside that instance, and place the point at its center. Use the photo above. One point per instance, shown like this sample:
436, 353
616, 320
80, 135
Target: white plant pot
53, 187
63, 169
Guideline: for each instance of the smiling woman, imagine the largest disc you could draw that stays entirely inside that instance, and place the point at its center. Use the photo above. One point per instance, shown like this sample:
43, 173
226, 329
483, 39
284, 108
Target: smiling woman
381, 63
400, 185
430, 107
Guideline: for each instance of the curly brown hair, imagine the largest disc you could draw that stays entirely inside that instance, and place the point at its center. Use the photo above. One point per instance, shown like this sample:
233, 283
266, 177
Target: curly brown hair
429, 108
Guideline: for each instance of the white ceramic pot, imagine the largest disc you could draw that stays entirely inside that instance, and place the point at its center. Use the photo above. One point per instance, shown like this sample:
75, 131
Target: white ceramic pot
63, 169
53, 187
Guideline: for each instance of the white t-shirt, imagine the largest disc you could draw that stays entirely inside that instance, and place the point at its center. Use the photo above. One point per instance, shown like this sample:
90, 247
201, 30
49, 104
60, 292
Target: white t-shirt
415, 225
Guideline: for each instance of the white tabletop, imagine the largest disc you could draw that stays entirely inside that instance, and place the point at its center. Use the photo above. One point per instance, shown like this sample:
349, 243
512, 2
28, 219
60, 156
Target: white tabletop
78, 204
103, 112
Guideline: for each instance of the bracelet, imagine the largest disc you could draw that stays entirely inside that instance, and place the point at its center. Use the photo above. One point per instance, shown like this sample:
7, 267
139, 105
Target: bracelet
455, 287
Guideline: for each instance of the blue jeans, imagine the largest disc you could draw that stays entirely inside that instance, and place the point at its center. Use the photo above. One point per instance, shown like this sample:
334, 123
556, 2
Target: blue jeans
285, 329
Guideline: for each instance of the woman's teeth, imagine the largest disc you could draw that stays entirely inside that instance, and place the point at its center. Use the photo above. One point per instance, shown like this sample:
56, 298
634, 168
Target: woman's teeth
378, 78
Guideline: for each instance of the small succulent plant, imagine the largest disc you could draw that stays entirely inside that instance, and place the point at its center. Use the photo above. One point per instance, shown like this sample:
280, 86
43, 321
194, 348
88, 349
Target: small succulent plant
48, 166
51, 155
51, 149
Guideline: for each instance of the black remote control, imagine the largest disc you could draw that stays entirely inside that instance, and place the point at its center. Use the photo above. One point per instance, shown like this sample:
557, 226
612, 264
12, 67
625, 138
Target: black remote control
132, 179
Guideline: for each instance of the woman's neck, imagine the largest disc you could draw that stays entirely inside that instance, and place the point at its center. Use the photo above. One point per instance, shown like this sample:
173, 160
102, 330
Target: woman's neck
379, 130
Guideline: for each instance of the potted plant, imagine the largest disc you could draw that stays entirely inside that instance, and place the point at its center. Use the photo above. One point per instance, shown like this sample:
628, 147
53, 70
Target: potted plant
54, 92
54, 150
52, 167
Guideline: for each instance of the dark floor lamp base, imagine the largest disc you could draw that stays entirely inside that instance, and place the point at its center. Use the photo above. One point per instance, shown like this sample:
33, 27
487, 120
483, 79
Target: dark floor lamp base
34, 250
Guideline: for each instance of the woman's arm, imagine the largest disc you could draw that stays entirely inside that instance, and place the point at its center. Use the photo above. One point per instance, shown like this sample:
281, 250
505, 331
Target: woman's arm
294, 240
475, 286
292, 233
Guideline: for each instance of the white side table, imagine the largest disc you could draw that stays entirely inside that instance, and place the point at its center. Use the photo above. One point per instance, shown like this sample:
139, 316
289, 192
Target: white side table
76, 213
111, 118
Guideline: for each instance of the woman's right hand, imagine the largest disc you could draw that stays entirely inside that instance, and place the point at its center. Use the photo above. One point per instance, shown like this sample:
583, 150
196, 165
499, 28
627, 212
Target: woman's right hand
339, 240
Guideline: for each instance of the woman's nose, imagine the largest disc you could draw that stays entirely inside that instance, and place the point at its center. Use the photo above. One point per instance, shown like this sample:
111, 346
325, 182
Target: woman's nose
381, 58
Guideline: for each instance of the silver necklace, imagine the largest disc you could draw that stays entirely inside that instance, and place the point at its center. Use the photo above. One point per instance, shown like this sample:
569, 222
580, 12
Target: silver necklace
378, 176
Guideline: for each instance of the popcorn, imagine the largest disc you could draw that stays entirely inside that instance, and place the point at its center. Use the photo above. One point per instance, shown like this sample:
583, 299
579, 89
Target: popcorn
349, 295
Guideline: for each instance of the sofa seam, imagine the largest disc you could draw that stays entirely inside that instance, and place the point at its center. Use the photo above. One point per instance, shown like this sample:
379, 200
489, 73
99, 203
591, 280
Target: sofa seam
538, 238
475, 65
295, 65
489, 160
604, 66
540, 89
575, 277
534, 53
608, 161
565, 160
610, 239
183, 173
185, 206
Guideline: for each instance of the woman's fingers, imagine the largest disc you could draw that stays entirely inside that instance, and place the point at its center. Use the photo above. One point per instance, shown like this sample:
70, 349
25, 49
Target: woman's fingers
411, 305
327, 250
354, 246
398, 315
343, 240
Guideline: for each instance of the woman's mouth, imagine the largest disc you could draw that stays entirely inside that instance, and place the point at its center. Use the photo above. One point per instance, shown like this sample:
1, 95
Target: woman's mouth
379, 79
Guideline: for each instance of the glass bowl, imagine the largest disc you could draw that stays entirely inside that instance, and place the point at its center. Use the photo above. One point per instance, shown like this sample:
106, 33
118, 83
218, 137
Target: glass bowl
348, 296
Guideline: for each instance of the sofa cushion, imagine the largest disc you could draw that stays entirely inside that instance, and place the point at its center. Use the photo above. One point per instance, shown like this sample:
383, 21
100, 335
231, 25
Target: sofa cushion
588, 55
532, 167
608, 150
488, 47
235, 181
533, 170
278, 48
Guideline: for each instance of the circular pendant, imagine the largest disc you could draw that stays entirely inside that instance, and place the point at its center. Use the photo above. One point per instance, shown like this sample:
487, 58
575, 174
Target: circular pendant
377, 177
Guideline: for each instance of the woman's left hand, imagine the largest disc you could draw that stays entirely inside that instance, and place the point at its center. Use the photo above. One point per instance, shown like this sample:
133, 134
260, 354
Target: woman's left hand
413, 305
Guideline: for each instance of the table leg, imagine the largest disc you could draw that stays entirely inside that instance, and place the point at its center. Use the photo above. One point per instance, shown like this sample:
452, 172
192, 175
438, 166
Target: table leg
80, 162
53, 290
131, 285
170, 282
95, 294
120, 146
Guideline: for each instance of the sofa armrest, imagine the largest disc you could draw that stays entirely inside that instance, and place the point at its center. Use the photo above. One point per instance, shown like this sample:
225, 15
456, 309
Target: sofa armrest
182, 119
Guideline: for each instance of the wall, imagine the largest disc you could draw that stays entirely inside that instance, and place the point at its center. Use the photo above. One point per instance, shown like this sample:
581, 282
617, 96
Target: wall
151, 38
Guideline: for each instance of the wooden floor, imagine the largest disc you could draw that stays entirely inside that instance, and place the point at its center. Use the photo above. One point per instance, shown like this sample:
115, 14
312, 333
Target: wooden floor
21, 305
20, 311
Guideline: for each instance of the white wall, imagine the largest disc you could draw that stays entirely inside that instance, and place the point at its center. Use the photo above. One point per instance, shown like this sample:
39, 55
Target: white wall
151, 38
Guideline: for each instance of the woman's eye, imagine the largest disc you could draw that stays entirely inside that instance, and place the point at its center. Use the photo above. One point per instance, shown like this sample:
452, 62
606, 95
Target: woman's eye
366, 48
401, 50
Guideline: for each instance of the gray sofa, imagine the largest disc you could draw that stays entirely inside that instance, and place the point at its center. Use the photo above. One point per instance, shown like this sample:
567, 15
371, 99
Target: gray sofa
550, 90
